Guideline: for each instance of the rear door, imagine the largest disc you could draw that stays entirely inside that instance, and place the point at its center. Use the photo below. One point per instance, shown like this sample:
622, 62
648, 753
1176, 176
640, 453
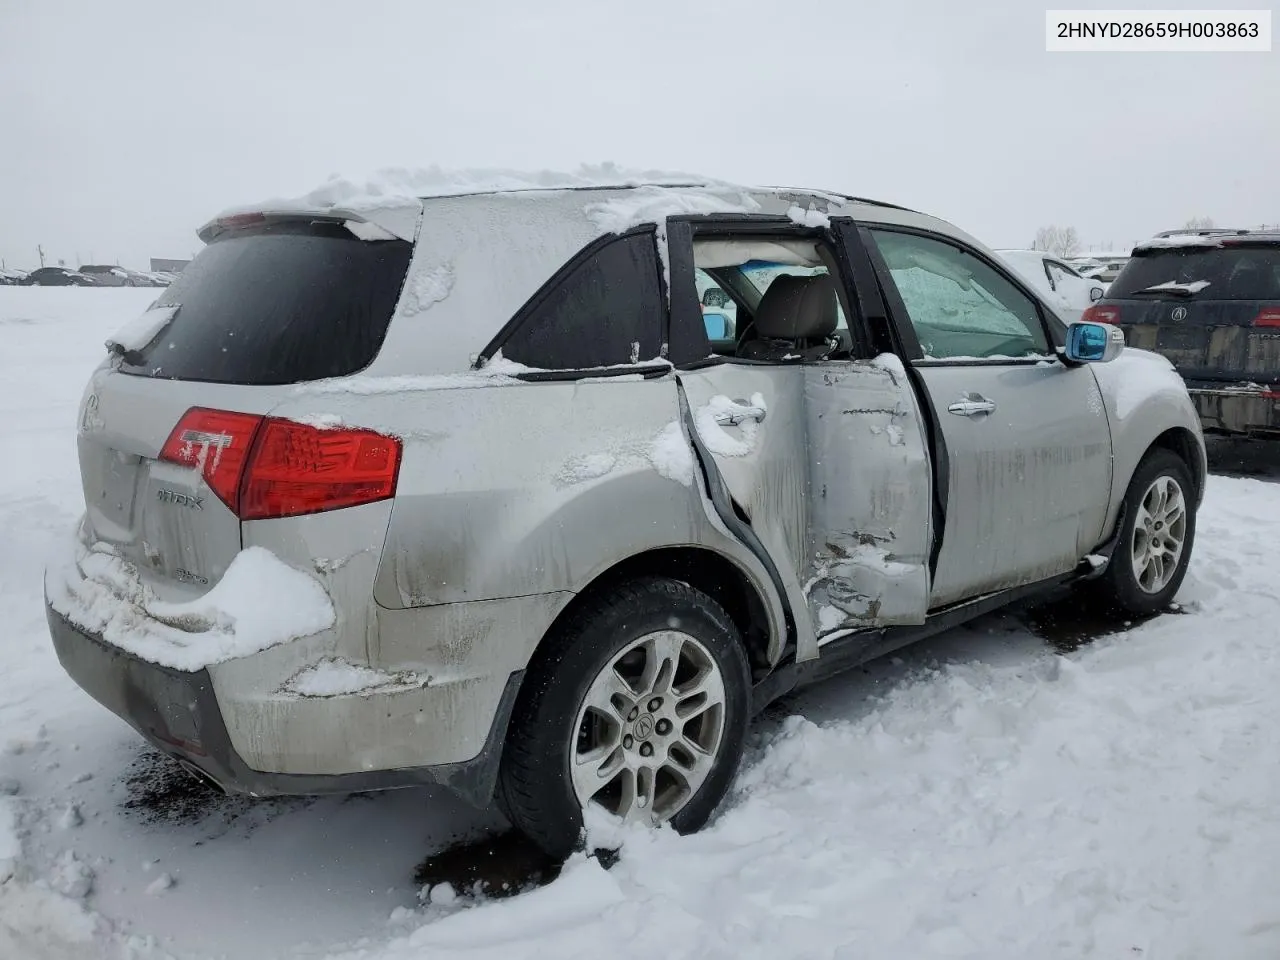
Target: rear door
826, 460
259, 310
1025, 438
1212, 309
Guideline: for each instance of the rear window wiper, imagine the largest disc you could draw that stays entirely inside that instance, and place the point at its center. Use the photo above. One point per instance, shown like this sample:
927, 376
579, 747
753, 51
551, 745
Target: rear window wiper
1173, 288
134, 337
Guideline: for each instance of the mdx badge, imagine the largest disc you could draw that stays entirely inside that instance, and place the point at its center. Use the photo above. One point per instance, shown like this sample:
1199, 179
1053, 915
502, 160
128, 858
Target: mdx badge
180, 499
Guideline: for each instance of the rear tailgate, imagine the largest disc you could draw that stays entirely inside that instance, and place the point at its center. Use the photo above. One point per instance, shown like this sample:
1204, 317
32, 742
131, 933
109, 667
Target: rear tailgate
1213, 309
163, 516
1220, 340
168, 425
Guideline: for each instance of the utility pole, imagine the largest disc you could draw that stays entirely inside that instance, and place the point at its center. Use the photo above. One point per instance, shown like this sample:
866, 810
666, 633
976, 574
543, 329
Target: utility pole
40, 250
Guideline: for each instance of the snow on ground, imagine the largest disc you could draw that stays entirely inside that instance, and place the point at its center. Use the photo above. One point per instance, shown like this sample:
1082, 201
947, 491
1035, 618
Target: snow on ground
981, 796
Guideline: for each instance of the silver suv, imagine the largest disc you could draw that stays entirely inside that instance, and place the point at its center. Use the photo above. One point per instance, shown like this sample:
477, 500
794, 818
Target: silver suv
459, 489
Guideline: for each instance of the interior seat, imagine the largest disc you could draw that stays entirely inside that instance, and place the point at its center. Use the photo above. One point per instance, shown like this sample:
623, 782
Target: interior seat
796, 320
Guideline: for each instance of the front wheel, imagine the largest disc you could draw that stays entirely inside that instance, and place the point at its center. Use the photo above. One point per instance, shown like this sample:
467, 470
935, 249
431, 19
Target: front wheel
639, 705
1157, 532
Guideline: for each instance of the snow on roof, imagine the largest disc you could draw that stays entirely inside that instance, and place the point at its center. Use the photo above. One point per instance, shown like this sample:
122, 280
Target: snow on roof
400, 186
1183, 240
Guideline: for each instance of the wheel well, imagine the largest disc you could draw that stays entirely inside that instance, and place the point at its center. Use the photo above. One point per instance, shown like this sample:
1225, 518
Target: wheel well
704, 570
1182, 442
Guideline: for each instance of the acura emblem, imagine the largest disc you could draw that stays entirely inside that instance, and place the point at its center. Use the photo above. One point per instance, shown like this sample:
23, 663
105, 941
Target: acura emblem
1179, 313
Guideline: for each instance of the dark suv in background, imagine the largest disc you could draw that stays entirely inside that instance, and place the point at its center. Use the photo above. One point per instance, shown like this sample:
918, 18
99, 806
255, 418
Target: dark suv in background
1209, 301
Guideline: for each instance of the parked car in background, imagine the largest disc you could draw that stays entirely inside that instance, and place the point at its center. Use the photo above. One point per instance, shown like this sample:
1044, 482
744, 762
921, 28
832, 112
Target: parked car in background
56, 277
1209, 301
1061, 285
11, 278
591, 542
113, 275
1104, 267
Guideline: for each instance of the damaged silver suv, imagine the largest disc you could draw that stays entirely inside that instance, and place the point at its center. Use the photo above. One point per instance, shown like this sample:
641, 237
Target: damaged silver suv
459, 489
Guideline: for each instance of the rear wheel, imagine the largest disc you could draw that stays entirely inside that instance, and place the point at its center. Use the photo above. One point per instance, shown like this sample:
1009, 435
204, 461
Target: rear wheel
638, 705
1156, 536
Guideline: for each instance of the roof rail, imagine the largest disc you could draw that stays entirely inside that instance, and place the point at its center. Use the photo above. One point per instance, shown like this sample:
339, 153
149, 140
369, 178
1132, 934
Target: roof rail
1205, 232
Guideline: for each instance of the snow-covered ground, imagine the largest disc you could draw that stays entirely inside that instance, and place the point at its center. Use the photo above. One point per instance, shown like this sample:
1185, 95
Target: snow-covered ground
982, 796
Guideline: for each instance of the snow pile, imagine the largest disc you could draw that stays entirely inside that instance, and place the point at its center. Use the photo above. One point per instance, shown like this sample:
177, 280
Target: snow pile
651, 204
139, 332
712, 432
259, 602
1174, 286
808, 217
426, 287
589, 466
671, 454
372, 385
1182, 240
335, 677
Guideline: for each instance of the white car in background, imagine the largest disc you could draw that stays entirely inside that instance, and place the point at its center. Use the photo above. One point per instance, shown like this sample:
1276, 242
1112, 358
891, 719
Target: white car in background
1058, 282
1103, 267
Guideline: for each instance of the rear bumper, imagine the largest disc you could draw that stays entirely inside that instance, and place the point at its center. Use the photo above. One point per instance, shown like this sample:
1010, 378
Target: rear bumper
1247, 409
179, 713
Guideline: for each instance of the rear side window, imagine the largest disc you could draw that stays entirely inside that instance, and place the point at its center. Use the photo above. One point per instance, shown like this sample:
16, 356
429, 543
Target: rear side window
605, 310
284, 302
1232, 273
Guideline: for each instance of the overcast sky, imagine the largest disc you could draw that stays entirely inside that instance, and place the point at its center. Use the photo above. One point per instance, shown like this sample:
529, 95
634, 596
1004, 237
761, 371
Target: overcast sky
124, 125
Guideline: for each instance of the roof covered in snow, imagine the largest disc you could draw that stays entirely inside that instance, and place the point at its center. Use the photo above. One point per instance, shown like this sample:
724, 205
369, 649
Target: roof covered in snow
393, 197
1167, 241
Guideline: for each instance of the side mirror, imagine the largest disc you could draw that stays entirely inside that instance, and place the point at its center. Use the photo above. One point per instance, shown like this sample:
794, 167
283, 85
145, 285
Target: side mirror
1093, 342
1095, 294
717, 325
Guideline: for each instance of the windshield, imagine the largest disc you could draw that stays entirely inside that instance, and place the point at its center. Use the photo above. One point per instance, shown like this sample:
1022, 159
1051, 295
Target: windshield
286, 302
1210, 273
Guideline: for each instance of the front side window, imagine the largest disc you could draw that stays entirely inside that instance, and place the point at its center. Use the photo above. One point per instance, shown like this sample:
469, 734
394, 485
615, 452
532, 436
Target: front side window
959, 306
606, 311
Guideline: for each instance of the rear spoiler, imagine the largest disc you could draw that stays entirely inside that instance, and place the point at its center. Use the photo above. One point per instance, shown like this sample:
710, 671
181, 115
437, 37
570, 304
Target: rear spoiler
399, 221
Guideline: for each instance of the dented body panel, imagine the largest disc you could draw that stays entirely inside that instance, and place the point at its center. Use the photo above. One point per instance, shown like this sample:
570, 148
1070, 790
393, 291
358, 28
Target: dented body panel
870, 523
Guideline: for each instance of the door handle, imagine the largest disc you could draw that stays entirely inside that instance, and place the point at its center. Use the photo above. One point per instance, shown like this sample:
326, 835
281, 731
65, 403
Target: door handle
972, 405
742, 411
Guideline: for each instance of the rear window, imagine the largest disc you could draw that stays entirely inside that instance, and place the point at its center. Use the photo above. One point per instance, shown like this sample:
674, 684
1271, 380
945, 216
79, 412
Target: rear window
283, 302
1233, 273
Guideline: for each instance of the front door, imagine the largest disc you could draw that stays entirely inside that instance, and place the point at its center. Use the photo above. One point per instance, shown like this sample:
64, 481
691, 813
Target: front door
1028, 447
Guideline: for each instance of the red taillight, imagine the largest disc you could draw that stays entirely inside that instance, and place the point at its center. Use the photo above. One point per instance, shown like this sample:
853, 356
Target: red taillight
297, 469
216, 442
1101, 314
265, 467
1269, 317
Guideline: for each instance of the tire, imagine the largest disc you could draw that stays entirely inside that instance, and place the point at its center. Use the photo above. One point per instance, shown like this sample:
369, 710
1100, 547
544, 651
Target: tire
1137, 581
636, 725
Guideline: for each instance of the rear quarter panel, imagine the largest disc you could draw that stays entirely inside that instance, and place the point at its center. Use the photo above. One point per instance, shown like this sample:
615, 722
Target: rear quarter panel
511, 489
